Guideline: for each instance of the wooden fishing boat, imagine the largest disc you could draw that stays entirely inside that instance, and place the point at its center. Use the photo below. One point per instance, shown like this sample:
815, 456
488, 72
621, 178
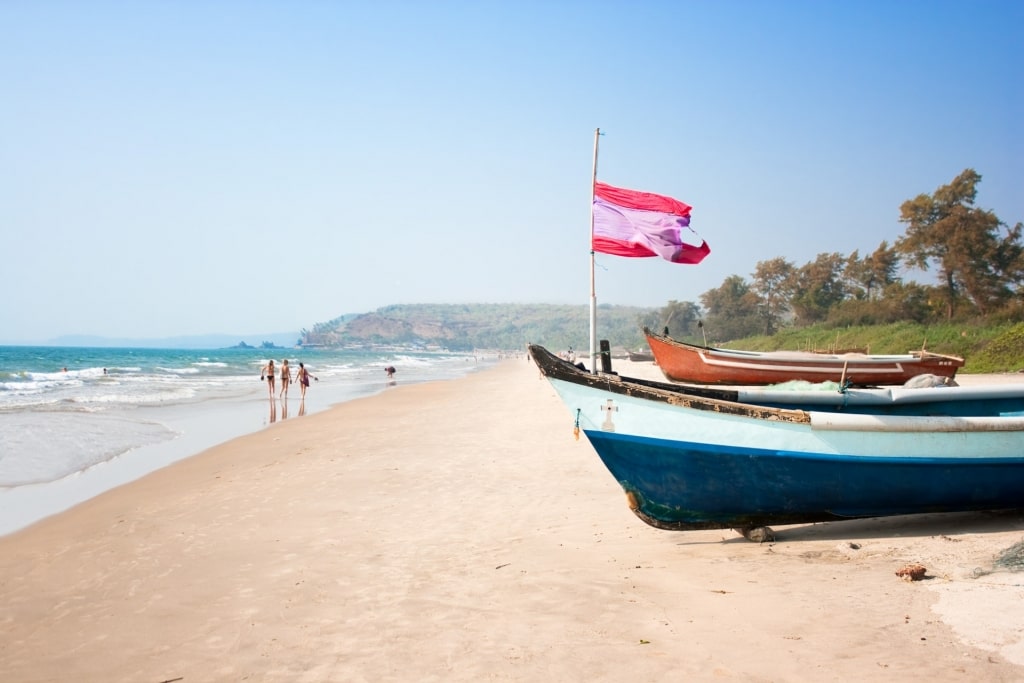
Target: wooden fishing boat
682, 362
693, 461
935, 398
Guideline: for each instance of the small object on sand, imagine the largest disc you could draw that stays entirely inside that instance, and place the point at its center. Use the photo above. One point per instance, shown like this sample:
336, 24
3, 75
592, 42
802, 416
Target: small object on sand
911, 572
758, 534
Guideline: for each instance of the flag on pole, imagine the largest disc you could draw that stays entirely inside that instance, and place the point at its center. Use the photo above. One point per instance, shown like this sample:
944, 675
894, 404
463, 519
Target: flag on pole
638, 224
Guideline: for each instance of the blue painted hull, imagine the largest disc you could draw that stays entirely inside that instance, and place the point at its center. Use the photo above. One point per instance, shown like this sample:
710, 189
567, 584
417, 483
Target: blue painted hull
679, 484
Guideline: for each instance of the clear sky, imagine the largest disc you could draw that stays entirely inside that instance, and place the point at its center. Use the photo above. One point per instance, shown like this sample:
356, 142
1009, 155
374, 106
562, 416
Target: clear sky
175, 168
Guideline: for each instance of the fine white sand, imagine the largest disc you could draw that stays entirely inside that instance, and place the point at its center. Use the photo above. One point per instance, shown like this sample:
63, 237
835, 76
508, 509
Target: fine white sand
457, 531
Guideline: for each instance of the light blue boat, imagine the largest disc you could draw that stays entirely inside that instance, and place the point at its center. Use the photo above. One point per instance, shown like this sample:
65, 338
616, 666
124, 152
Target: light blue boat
687, 459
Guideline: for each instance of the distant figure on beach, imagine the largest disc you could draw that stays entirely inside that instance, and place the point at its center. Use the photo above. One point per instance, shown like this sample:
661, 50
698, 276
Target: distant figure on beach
303, 376
267, 373
391, 371
286, 378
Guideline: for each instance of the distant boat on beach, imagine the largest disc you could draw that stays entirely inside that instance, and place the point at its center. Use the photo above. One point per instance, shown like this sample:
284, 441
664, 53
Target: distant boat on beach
641, 356
689, 458
682, 362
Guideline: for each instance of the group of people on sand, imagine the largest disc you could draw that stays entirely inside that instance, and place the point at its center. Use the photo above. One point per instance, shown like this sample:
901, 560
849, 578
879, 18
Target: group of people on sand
270, 373
301, 376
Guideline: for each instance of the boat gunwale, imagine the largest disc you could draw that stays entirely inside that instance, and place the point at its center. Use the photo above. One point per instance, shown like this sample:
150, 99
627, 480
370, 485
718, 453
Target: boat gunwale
552, 366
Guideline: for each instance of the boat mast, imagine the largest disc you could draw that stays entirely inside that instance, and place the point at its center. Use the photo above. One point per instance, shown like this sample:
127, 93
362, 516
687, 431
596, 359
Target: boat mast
593, 292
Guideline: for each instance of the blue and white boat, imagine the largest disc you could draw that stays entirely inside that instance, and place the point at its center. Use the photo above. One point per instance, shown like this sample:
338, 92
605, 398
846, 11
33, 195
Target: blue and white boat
690, 458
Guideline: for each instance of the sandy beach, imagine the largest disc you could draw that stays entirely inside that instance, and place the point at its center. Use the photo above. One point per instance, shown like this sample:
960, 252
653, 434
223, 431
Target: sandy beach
455, 530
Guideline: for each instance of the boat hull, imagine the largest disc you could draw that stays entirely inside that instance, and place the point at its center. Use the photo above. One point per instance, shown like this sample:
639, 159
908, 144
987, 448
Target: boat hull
692, 462
686, 485
681, 362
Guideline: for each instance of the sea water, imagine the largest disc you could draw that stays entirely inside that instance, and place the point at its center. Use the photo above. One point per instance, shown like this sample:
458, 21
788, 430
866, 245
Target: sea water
77, 421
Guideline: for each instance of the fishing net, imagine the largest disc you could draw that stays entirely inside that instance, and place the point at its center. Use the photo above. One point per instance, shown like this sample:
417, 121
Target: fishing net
1011, 559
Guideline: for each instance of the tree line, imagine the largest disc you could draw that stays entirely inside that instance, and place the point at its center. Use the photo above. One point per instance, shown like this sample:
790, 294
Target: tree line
977, 260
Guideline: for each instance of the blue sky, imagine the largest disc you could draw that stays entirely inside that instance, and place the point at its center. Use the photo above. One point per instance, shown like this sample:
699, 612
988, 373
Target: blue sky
177, 168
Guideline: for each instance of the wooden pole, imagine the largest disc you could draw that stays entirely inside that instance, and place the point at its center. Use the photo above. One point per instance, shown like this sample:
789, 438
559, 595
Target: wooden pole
593, 291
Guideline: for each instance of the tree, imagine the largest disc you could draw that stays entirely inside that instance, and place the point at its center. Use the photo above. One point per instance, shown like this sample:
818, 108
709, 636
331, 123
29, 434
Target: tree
869, 277
817, 287
1014, 266
974, 261
773, 284
732, 310
679, 318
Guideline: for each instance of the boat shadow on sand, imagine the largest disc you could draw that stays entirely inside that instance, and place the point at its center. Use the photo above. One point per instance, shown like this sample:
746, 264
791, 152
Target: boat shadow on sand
984, 546
903, 526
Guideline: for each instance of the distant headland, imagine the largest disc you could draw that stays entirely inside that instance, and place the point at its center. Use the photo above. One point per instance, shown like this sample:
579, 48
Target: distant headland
264, 345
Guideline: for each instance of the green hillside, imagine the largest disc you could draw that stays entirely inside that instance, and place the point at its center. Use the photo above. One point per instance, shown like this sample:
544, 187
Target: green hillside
463, 327
996, 347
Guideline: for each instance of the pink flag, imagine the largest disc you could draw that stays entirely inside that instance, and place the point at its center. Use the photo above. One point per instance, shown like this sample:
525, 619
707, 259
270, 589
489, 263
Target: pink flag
632, 223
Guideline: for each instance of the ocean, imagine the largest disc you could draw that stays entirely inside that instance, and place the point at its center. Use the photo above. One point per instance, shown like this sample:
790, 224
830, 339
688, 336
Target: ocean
75, 422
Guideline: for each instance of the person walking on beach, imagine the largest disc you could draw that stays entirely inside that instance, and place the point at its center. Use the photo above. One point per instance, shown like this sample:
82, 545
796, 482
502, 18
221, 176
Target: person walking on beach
268, 373
303, 376
286, 378
391, 372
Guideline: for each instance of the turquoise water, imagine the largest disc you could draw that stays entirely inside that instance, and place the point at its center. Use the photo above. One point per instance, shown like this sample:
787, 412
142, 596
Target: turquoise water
68, 413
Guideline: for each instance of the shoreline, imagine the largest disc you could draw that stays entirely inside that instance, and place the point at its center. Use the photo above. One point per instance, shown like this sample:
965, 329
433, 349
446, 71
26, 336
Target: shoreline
455, 530
197, 426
